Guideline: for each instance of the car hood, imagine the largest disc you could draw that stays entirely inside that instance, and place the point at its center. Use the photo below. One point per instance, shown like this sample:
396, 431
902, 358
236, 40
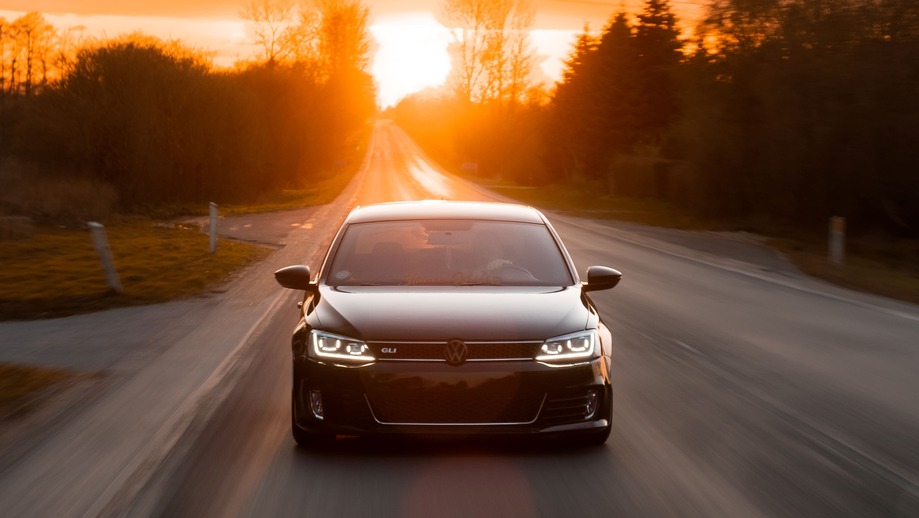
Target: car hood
440, 314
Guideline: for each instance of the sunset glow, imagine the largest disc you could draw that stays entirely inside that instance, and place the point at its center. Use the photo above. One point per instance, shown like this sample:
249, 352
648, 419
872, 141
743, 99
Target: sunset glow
225, 40
411, 46
412, 55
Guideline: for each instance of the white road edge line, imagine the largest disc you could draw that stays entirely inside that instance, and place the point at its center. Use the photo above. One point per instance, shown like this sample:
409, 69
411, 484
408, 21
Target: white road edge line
779, 282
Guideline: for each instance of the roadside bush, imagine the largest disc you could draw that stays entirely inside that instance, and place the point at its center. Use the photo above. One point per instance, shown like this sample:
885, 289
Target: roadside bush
45, 197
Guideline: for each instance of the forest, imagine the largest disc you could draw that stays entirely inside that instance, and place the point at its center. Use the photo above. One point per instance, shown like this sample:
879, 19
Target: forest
785, 112
134, 124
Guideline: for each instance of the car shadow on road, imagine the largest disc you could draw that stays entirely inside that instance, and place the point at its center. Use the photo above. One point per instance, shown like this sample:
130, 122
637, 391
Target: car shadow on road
421, 446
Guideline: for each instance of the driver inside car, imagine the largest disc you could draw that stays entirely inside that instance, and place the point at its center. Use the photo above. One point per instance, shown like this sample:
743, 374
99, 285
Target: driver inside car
488, 257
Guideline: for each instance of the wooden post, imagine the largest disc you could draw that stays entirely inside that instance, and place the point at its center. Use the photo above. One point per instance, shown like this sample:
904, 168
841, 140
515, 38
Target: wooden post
213, 229
100, 241
837, 240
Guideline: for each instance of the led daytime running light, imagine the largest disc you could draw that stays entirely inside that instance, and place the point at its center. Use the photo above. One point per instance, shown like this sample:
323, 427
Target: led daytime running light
340, 348
568, 348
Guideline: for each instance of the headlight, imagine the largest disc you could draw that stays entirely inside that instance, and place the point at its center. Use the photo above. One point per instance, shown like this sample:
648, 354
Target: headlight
338, 348
572, 348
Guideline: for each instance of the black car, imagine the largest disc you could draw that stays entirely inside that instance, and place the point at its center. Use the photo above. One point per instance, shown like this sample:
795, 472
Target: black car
437, 317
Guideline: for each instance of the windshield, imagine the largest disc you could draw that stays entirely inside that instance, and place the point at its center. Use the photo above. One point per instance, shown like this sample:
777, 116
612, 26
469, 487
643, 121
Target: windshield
448, 253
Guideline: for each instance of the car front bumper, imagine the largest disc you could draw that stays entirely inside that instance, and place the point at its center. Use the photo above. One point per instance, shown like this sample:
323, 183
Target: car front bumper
517, 397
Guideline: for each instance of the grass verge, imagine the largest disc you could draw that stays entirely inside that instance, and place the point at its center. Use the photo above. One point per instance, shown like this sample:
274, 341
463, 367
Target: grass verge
324, 191
883, 269
54, 271
19, 386
57, 271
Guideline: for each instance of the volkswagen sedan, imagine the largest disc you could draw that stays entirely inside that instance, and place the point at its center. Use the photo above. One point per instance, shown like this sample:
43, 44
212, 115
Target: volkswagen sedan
449, 318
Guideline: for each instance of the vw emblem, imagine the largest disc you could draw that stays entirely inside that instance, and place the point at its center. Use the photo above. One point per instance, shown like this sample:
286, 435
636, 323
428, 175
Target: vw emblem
455, 352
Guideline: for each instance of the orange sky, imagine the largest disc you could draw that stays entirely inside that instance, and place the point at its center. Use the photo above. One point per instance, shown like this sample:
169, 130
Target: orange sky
411, 54
554, 14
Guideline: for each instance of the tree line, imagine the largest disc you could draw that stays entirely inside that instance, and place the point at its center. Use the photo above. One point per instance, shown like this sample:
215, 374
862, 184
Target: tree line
784, 111
162, 126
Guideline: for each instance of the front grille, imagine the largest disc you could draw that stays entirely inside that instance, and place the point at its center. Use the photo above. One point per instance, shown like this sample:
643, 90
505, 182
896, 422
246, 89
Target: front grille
434, 351
564, 407
453, 407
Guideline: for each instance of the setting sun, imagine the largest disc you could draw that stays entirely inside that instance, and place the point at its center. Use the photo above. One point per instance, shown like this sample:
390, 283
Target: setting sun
410, 46
412, 55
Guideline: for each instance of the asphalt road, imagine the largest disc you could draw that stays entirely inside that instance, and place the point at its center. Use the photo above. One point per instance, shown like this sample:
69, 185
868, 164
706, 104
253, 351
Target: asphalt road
742, 389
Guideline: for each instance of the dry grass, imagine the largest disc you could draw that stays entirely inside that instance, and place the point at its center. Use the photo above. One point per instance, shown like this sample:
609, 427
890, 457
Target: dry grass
19, 386
31, 192
586, 204
891, 270
323, 191
52, 270
57, 271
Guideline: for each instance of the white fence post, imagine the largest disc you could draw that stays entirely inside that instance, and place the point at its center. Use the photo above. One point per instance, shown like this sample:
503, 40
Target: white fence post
100, 241
213, 228
837, 240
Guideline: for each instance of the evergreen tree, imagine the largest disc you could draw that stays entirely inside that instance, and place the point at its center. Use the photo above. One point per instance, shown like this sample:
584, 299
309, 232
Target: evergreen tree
570, 130
659, 49
617, 90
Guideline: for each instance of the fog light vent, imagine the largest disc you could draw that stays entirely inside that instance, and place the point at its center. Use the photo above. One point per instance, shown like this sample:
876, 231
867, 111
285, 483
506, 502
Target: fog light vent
590, 405
316, 404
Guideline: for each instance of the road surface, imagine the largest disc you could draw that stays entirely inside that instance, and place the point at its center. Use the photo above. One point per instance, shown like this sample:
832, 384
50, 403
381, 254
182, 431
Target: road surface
742, 388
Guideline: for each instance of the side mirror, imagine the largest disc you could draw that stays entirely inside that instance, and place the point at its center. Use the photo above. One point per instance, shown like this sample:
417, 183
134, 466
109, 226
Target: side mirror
601, 278
294, 277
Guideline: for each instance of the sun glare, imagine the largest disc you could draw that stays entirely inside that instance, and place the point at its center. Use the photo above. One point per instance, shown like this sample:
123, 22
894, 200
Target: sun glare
412, 55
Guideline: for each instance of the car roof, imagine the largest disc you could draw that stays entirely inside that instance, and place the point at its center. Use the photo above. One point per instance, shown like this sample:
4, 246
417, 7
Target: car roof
439, 209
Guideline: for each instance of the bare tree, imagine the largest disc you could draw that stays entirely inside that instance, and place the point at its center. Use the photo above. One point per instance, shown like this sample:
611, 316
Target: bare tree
492, 57
5, 39
68, 42
26, 45
331, 33
521, 58
275, 27
742, 25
